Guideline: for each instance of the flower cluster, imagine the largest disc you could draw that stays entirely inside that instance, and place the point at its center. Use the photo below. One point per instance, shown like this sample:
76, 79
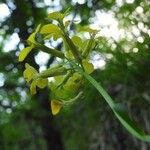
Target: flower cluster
68, 82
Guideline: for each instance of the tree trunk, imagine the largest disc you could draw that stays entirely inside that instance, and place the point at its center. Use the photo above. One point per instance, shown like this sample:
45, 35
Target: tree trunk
51, 135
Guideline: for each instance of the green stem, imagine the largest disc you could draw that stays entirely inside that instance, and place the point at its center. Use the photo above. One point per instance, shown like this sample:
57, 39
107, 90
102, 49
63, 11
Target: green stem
71, 45
88, 47
65, 79
97, 86
51, 72
48, 50
70, 101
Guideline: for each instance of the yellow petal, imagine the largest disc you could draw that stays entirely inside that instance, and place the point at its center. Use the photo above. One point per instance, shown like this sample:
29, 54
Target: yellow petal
55, 106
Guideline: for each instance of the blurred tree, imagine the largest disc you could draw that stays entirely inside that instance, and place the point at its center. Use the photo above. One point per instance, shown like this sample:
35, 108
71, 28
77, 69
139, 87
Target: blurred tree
24, 16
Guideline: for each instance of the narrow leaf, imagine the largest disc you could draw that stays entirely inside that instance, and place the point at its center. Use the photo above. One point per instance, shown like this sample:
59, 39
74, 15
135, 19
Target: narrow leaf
23, 54
33, 87
121, 115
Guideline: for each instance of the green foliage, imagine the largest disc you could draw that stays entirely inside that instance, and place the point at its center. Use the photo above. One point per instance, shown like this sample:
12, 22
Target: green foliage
30, 74
56, 16
88, 67
51, 30
77, 63
24, 53
89, 122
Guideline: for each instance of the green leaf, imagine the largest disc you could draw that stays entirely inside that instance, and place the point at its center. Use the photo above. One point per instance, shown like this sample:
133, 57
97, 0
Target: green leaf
88, 29
63, 94
41, 83
74, 83
33, 87
128, 123
67, 23
55, 71
47, 37
48, 50
38, 28
121, 115
69, 54
49, 28
23, 54
31, 38
63, 79
77, 41
71, 46
29, 72
88, 67
88, 46
56, 16
75, 78
65, 44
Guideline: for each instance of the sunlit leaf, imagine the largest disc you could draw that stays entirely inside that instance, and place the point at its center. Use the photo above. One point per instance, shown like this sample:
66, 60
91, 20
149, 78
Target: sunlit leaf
47, 37
23, 54
67, 23
70, 86
88, 29
69, 54
41, 83
55, 106
33, 87
29, 72
49, 28
56, 36
56, 16
59, 78
31, 38
77, 41
73, 83
75, 78
38, 28
87, 46
88, 67
62, 93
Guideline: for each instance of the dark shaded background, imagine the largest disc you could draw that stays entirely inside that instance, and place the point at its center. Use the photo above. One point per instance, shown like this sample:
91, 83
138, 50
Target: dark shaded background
26, 122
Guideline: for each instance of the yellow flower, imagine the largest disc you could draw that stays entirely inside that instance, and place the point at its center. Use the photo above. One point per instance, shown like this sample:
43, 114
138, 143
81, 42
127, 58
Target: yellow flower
56, 106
